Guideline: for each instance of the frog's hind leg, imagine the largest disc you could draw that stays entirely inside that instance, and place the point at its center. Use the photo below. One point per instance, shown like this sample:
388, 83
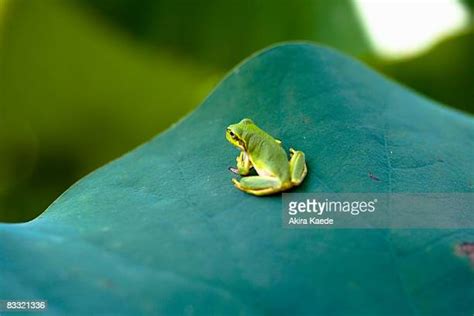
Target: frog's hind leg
258, 185
298, 169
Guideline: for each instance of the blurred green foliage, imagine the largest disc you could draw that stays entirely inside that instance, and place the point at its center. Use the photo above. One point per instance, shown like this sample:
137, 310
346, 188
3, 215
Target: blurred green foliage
469, 4
223, 32
84, 81
75, 94
444, 73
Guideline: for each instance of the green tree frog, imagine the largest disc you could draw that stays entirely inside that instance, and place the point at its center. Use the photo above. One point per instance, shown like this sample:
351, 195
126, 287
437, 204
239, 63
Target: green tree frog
265, 154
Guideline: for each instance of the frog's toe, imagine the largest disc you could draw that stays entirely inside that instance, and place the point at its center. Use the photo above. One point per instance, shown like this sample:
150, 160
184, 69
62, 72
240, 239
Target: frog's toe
234, 170
237, 184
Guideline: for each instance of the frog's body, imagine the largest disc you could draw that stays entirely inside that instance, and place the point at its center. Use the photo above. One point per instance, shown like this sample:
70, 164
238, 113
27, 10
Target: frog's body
265, 154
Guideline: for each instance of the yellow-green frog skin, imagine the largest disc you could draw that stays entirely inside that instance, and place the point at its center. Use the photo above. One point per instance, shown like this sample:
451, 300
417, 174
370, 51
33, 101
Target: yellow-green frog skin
265, 154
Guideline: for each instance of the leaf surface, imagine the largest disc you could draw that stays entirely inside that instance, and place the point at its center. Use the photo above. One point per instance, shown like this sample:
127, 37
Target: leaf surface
162, 230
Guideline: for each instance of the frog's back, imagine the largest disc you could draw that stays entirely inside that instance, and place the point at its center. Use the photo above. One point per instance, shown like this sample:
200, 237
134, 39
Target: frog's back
268, 156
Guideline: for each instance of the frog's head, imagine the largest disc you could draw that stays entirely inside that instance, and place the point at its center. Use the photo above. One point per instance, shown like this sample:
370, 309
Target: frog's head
236, 133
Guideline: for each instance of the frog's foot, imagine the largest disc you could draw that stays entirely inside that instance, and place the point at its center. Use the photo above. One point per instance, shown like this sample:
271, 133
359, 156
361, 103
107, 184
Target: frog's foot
298, 169
234, 170
258, 185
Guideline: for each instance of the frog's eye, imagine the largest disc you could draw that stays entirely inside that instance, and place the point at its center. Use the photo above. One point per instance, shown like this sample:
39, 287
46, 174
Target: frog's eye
232, 134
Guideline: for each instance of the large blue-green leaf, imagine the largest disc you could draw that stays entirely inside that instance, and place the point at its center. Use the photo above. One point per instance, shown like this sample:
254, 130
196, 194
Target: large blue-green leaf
162, 230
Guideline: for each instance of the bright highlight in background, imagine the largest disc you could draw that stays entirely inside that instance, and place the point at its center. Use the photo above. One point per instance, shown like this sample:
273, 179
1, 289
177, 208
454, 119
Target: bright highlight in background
402, 28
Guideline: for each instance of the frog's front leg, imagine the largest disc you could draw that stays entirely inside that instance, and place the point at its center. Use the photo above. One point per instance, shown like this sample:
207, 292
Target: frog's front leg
298, 167
258, 185
243, 164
